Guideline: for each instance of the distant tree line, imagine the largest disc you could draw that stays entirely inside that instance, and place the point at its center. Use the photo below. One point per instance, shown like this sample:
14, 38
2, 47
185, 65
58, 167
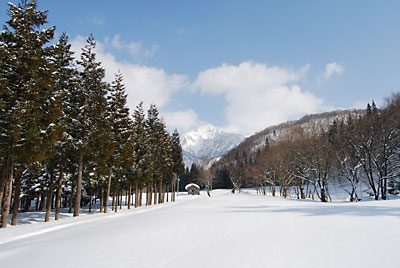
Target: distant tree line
358, 149
205, 178
67, 137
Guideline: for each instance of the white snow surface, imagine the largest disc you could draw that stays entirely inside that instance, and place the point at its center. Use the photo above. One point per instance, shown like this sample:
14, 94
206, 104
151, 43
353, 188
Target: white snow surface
224, 230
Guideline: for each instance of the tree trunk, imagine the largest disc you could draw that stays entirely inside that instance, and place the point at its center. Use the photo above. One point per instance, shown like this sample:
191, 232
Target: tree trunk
71, 199
151, 194
167, 191
7, 192
108, 190
3, 180
59, 190
176, 191
120, 197
27, 204
129, 197
42, 201
160, 192
50, 194
173, 191
371, 177
37, 202
113, 201
78, 193
90, 202
102, 200
116, 201
6, 204
164, 192
17, 193
323, 195
140, 197
384, 189
136, 195
155, 194
302, 193
147, 194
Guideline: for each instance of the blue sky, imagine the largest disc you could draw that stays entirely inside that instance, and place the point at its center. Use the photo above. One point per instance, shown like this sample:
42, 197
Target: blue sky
240, 65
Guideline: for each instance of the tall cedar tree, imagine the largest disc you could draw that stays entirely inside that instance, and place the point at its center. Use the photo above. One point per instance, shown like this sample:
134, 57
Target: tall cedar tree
67, 87
160, 149
153, 144
177, 158
121, 131
141, 157
92, 111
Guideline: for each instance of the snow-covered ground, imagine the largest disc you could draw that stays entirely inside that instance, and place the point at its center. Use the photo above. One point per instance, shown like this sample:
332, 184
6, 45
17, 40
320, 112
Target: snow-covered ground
225, 230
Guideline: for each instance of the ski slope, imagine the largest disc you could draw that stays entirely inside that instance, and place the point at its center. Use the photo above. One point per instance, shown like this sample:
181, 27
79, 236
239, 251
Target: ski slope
225, 230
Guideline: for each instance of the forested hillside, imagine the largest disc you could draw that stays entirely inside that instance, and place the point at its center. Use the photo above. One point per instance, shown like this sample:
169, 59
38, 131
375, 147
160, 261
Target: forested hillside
351, 148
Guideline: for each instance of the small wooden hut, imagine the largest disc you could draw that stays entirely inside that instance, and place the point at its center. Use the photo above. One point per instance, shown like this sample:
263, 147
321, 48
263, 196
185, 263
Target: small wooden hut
192, 188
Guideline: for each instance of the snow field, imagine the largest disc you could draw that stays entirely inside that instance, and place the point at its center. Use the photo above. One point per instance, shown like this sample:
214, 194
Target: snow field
226, 230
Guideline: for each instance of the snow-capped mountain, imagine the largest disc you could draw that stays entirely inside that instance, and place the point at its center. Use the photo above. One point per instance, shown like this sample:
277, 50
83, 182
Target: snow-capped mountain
207, 143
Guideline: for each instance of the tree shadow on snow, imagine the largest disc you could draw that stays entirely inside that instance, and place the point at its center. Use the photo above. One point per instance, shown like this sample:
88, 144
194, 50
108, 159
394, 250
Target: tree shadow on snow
321, 210
36, 216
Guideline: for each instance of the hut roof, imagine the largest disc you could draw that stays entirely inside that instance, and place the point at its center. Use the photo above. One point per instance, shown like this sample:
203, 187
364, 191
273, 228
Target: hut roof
192, 184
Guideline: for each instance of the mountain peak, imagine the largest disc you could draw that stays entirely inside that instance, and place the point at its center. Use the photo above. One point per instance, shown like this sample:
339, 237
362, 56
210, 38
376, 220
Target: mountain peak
206, 143
203, 132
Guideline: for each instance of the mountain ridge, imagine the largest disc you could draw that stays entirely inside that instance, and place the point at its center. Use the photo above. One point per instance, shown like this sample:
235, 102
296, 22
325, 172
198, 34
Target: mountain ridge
207, 143
277, 132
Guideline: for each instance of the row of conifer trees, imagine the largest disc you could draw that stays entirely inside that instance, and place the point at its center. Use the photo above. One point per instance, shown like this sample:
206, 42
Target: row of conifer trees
66, 135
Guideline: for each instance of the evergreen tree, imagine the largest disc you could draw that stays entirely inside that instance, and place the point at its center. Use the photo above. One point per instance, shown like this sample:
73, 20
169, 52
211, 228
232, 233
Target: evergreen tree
153, 144
121, 136
179, 166
67, 88
160, 149
166, 148
177, 158
141, 158
92, 111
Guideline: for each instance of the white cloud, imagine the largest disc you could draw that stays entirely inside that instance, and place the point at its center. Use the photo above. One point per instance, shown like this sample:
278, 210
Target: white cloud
184, 121
258, 95
135, 49
333, 68
143, 83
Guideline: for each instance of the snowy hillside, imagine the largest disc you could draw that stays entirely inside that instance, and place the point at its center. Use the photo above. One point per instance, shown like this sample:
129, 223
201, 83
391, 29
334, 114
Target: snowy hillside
278, 132
224, 230
206, 143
